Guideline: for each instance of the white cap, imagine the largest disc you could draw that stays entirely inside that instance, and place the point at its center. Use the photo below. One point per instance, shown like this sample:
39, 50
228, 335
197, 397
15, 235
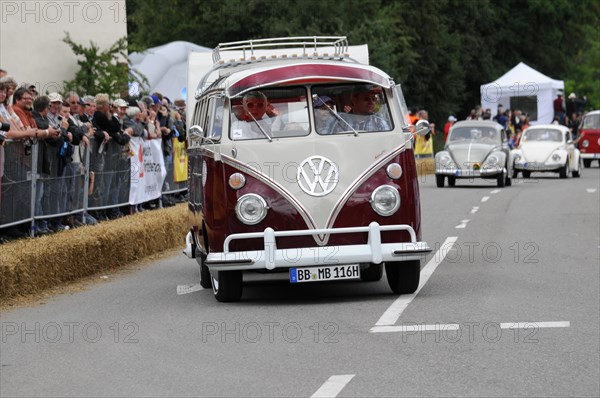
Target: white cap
55, 97
119, 103
451, 118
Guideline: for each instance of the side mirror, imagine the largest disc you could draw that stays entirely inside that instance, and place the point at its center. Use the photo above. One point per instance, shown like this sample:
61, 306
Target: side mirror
422, 127
195, 132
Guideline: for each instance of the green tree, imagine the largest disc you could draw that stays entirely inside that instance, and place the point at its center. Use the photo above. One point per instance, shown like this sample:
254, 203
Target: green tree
104, 71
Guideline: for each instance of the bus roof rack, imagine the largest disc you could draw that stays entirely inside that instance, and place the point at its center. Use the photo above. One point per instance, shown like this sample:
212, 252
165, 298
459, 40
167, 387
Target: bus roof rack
308, 44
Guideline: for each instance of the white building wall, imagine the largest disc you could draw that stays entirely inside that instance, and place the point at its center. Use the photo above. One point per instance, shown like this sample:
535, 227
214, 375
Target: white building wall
31, 34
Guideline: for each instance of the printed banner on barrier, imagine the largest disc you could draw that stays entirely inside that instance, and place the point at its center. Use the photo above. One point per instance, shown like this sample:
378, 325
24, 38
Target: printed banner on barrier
148, 170
180, 161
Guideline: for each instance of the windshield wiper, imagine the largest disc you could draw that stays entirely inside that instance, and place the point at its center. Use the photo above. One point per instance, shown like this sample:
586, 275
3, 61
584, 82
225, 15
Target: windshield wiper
335, 114
260, 128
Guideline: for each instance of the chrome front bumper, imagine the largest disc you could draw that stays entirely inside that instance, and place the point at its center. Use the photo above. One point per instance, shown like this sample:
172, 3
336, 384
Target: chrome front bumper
271, 257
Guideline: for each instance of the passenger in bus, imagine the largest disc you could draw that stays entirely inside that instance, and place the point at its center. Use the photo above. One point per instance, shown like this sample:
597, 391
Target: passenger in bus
255, 120
363, 115
324, 109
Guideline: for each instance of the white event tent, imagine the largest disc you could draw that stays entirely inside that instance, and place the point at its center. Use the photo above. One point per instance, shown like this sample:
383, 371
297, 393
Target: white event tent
523, 88
165, 67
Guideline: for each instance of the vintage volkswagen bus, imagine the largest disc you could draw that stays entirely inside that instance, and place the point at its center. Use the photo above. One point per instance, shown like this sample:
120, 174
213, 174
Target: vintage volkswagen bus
301, 162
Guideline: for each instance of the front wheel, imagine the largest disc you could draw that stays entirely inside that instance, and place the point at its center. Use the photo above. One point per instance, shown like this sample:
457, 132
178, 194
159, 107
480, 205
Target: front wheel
227, 285
577, 173
403, 277
371, 273
501, 181
451, 181
515, 174
587, 163
439, 180
526, 173
564, 171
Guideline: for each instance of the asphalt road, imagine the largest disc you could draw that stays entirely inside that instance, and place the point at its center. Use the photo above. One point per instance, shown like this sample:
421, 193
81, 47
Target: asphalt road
508, 306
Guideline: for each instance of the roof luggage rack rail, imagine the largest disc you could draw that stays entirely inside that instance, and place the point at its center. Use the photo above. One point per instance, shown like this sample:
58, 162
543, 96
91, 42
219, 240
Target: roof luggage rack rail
309, 45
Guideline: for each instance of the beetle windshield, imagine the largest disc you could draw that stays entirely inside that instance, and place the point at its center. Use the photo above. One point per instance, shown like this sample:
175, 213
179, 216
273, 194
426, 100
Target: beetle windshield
270, 113
542, 135
484, 135
353, 108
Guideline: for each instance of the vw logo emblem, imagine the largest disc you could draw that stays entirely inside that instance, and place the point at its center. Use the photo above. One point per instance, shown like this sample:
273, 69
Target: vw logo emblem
317, 175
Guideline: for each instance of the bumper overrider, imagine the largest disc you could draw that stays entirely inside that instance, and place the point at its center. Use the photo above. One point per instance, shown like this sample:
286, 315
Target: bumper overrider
271, 257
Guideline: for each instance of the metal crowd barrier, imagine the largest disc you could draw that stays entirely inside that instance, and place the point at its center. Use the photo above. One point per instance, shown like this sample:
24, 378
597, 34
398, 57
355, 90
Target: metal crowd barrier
36, 185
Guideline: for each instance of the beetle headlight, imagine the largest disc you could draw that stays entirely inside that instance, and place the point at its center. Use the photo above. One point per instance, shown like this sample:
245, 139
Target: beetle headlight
385, 200
444, 160
492, 159
585, 143
251, 209
517, 157
556, 157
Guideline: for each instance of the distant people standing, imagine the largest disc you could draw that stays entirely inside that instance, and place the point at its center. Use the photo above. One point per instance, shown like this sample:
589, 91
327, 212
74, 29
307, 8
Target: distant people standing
448, 125
559, 108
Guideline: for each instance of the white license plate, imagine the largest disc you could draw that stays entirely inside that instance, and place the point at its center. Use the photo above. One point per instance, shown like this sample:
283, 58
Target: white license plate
329, 273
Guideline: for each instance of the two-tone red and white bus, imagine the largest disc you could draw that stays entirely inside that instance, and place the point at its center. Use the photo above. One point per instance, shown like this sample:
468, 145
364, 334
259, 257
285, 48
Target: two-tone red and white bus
301, 160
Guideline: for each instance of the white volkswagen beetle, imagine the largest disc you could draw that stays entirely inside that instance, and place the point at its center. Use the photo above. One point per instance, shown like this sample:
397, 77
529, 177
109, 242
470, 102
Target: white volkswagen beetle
547, 148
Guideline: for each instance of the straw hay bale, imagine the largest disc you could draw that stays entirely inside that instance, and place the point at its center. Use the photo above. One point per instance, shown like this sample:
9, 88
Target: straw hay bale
425, 166
31, 265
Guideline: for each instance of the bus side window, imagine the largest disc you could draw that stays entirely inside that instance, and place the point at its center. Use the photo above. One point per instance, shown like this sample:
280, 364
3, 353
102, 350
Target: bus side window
216, 117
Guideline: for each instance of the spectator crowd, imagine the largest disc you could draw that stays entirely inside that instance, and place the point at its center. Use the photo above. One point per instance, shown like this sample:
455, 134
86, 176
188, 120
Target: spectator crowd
69, 132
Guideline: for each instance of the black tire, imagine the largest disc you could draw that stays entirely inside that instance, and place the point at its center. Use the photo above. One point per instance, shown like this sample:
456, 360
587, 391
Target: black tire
205, 279
403, 277
526, 173
515, 174
372, 273
439, 180
451, 181
564, 171
508, 180
501, 181
227, 285
577, 173
587, 163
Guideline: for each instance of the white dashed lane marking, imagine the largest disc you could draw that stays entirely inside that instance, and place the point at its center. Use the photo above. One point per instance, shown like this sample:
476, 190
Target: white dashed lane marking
333, 386
463, 224
185, 289
474, 209
591, 190
391, 315
495, 191
485, 199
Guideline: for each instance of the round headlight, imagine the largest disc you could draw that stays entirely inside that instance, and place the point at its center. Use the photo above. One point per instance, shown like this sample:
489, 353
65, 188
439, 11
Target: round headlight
385, 200
598, 141
394, 171
556, 157
517, 157
585, 143
492, 159
251, 209
444, 160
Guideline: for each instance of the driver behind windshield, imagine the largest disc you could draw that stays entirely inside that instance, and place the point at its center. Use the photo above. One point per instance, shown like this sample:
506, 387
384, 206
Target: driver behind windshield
365, 103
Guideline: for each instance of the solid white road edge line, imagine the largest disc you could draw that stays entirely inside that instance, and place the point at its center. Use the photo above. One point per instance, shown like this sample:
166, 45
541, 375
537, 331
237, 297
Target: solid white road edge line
485, 199
412, 328
332, 386
391, 315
